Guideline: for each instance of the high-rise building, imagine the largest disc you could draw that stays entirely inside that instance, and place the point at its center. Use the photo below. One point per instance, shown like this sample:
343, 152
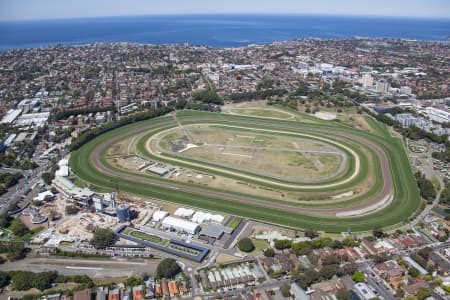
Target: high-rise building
367, 80
382, 86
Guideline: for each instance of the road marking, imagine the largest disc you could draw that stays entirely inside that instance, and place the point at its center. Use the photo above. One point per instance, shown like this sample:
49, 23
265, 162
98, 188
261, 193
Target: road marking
84, 268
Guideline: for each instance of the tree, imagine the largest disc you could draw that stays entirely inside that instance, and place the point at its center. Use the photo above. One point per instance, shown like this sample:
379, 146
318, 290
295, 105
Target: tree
18, 227
133, 281
302, 248
413, 272
343, 295
53, 215
283, 244
4, 220
72, 210
167, 268
13, 249
24, 280
269, 252
378, 232
47, 178
307, 278
427, 190
332, 259
349, 268
358, 276
103, 238
207, 96
445, 196
285, 290
311, 233
349, 242
246, 245
423, 293
328, 271
4, 279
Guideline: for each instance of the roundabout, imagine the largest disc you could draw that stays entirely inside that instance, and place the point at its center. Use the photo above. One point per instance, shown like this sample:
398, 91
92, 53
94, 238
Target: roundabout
320, 175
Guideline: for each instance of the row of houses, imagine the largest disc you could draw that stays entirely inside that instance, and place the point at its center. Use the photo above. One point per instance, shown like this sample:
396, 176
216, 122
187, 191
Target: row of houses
230, 275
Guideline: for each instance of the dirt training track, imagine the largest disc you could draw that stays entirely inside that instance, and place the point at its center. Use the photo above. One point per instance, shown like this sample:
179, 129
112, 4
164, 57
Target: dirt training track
330, 211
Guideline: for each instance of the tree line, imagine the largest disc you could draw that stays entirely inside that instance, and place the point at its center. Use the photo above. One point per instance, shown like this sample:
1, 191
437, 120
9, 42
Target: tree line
93, 133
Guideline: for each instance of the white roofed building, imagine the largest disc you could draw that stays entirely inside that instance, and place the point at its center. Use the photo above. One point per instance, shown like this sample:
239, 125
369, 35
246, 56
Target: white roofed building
438, 115
202, 217
184, 212
159, 215
11, 116
180, 225
62, 171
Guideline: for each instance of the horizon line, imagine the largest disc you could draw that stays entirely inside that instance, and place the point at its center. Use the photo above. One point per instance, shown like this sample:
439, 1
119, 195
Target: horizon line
231, 14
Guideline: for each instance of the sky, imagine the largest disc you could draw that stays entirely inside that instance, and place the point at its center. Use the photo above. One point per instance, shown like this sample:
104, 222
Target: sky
55, 9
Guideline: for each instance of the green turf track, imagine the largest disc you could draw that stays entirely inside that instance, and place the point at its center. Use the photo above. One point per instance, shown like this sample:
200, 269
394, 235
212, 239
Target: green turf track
406, 199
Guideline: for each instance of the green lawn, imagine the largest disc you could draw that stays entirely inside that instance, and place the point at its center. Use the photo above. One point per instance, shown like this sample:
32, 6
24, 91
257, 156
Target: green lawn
146, 236
235, 223
260, 245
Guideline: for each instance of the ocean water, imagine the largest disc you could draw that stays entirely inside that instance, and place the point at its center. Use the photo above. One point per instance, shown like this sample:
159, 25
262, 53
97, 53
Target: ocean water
214, 30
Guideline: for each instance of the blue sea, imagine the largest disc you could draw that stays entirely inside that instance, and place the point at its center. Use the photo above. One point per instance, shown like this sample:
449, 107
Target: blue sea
214, 30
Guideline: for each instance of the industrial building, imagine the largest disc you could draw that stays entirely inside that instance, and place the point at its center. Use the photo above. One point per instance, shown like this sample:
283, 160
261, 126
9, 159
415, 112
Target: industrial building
180, 225
25, 136
11, 116
35, 119
216, 231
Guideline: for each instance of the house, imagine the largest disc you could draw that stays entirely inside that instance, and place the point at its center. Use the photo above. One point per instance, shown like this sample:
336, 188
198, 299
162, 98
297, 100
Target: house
173, 288
165, 287
351, 253
437, 259
138, 293
82, 295
298, 293
114, 295
412, 289
390, 270
327, 289
322, 253
371, 249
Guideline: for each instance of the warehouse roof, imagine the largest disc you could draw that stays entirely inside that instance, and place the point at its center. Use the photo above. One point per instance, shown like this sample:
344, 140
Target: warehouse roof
216, 231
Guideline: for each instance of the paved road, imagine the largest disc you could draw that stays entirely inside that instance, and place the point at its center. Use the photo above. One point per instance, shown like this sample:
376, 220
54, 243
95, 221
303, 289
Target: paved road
30, 177
93, 268
387, 180
376, 282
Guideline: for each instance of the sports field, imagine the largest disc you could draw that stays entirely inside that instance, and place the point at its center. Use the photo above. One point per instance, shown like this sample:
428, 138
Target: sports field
321, 174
